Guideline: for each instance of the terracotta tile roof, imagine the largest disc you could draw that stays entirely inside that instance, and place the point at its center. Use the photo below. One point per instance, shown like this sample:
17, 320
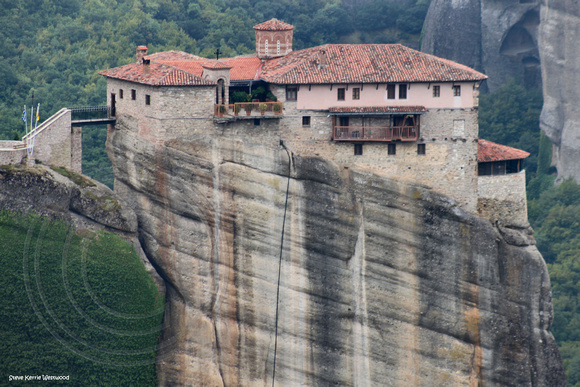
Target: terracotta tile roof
348, 63
242, 68
174, 55
490, 151
364, 63
378, 109
216, 65
158, 74
273, 25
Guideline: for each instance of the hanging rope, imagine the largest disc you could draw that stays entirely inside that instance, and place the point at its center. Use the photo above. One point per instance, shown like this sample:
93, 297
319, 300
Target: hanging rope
280, 265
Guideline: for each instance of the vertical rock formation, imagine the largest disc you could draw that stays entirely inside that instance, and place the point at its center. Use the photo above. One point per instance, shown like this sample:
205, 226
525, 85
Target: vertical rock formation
382, 283
499, 38
560, 55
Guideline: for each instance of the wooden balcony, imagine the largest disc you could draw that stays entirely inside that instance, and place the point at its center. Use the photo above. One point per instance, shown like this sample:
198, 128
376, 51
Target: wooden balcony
375, 133
249, 109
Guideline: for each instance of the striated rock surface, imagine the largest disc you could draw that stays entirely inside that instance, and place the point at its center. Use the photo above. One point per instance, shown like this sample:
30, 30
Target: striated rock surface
560, 54
382, 283
499, 38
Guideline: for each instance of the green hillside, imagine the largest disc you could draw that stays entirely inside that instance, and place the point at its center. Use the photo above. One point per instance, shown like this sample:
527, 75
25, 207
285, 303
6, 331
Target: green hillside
76, 305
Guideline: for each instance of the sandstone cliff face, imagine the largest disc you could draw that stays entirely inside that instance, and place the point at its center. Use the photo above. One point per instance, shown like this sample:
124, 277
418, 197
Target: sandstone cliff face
499, 38
382, 283
560, 54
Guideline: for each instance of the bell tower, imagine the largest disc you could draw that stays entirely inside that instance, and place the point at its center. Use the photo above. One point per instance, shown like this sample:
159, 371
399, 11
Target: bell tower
273, 39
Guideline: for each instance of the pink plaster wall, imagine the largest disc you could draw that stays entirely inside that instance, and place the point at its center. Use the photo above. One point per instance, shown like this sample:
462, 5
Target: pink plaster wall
321, 97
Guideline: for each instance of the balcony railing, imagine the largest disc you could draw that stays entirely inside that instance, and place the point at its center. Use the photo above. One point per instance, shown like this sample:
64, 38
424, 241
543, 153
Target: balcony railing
376, 133
249, 109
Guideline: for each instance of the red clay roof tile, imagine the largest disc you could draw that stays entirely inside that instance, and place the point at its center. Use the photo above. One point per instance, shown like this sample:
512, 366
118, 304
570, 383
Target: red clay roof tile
157, 74
215, 65
273, 25
490, 151
364, 63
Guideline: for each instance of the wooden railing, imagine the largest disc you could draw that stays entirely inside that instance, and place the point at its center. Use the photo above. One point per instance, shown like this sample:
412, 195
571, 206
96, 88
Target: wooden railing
375, 133
248, 109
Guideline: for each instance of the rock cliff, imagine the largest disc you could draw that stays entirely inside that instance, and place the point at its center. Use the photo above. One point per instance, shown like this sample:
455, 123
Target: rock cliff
381, 282
560, 55
499, 38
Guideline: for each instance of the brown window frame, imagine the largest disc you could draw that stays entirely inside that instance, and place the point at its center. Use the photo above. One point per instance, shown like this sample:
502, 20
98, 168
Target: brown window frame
291, 93
358, 149
340, 93
403, 91
391, 149
356, 93
391, 91
457, 90
436, 91
305, 120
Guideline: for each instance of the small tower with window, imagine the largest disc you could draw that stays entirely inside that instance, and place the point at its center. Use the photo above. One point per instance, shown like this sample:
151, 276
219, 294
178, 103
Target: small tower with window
273, 38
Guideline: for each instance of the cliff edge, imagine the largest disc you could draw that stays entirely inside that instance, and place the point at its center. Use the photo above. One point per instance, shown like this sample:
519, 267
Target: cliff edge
381, 282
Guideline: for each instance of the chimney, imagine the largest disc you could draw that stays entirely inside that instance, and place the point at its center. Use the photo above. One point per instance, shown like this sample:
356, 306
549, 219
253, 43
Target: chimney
141, 52
146, 67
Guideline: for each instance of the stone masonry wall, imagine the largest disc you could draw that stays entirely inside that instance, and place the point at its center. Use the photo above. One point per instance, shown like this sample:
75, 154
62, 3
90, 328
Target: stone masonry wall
507, 204
9, 155
173, 111
450, 137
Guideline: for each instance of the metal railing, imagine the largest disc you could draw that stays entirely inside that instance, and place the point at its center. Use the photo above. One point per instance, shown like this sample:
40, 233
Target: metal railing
376, 133
92, 113
248, 108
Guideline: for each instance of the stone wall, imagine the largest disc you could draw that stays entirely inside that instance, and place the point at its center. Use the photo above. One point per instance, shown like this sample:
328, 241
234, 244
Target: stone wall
173, 112
450, 137
449, 164
9, 155
508, 204
55, 143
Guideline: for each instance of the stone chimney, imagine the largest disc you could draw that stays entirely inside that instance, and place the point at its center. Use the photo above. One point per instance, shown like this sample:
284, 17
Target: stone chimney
273, 38
141, 52
146, 66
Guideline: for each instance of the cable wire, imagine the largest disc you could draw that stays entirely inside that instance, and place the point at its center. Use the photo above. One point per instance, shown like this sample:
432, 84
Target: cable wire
280, 264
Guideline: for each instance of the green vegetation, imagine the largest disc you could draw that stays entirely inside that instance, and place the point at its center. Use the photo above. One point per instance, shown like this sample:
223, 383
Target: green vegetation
77, 305
510, 116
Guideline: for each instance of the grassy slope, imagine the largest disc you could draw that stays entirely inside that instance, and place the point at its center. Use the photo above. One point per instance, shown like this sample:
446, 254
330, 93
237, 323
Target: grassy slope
75, 305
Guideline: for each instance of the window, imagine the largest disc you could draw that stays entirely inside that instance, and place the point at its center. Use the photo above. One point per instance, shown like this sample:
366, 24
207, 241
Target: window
392, 150
403, 91
436, 91
147, 99
391, 91
133, 94
456, 90
278, 48
358, 149
340, 95
266, 47
257, 122
120, 93
484, 169
291, 92
356, 93
305, 120
499, 168
420, 149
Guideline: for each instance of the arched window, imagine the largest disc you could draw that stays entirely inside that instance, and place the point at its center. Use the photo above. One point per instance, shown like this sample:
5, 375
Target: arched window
220, 92
266, 47
278, 48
